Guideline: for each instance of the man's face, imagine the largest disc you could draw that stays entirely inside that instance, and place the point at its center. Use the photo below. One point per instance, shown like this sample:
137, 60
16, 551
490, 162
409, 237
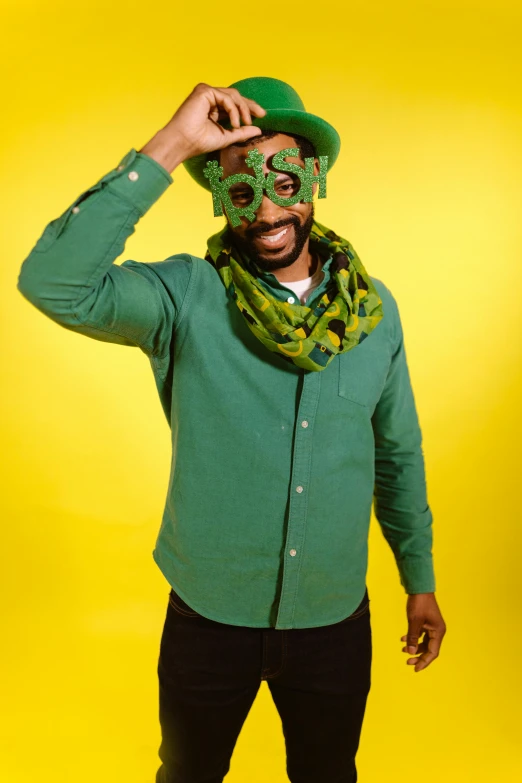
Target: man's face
276, 237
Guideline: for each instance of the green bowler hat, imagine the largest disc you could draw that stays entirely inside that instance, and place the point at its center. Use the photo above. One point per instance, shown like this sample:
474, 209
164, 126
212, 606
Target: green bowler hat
285, 112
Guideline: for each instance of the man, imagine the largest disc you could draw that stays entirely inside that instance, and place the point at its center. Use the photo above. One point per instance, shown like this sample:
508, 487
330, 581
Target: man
281, 368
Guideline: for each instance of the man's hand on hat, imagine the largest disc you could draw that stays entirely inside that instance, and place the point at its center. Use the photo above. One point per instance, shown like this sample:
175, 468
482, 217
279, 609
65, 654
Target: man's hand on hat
194, 129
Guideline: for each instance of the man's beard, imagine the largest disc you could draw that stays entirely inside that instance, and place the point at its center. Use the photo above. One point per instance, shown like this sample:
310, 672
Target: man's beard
301, 232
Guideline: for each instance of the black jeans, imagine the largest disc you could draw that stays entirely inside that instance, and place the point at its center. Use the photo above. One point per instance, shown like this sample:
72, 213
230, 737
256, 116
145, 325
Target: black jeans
209, 675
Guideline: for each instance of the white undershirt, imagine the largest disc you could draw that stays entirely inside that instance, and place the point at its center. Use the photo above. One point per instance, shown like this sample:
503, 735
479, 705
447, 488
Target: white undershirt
303, 288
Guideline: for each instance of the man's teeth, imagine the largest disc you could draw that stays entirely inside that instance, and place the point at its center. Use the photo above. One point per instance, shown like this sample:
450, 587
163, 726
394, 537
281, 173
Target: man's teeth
275, 237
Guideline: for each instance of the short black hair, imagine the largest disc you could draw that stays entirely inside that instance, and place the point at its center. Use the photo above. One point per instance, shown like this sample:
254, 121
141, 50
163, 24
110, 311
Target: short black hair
307, 149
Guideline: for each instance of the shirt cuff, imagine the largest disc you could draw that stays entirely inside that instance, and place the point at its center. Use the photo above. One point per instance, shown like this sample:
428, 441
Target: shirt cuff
140, 179
417, 575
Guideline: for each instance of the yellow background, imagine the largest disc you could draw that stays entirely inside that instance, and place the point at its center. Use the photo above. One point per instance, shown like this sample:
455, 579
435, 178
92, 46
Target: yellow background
427, 99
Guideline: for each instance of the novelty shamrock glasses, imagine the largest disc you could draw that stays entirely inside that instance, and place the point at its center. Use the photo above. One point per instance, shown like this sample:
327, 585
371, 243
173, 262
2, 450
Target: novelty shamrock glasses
246, 200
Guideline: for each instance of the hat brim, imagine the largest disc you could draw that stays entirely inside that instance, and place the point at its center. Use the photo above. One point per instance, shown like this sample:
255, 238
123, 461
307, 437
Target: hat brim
323, 136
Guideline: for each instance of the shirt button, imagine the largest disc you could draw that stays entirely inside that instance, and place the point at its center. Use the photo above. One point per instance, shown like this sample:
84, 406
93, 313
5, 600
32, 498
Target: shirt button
133, 176
75, 210
299, 489
290, 300
293, 552
304, 424
120, 168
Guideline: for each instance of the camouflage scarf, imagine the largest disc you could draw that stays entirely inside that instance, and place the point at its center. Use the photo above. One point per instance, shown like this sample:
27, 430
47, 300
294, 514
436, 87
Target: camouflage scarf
309, 337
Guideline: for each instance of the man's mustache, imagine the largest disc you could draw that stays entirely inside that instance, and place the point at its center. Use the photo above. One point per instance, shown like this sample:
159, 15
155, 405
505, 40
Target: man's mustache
263, 228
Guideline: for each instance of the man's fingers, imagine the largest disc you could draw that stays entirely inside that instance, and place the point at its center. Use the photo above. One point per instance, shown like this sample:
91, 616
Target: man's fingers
237, 105
415, 628
246, 106
240, 102
429, 649
421, 647
221, 104
412, 641
255, 108
241, 134
226, 101
423, 660
245, 112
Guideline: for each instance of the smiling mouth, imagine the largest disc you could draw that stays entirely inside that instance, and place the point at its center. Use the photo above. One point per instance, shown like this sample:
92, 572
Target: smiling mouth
274, 237
275, 240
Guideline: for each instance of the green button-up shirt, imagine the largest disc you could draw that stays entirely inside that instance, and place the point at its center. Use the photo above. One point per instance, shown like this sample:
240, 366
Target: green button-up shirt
274, 469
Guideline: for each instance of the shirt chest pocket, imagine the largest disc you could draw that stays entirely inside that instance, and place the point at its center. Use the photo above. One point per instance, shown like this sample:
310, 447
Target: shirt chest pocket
362, 372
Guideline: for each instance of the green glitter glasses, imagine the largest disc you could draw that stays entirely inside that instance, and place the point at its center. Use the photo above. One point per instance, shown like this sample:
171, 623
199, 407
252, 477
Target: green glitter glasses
247, 196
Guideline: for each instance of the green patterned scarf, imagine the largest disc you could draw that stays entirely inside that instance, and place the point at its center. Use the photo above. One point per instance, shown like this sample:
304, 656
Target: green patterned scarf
309, 337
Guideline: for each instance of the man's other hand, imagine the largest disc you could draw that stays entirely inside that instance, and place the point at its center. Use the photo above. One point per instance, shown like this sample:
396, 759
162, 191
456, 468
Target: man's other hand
424, 616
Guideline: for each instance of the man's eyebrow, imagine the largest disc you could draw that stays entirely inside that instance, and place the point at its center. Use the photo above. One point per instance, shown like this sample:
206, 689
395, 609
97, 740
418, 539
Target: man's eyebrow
284, 175
240, 186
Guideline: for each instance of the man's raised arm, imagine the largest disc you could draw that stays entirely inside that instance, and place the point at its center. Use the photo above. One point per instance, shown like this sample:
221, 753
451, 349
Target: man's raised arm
70, 274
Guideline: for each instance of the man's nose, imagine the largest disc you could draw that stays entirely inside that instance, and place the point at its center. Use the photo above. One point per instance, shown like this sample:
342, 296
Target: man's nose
268, 211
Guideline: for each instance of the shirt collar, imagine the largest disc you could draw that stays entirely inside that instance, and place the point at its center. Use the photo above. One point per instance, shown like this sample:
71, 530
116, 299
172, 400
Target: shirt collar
278, 288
